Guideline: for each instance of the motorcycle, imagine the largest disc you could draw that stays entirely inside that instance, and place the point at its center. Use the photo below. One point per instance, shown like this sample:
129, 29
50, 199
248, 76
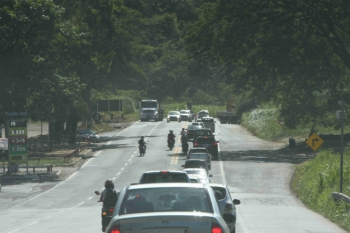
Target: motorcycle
142, 150
171, 143
185, 147
106, 214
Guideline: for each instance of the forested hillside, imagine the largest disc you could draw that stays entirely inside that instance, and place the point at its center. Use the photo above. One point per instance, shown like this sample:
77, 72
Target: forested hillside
54, 53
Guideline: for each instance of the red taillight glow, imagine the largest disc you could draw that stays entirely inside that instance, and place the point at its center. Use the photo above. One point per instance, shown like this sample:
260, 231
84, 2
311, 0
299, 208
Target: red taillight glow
215, 228
111, 209
164, 172
116, 229
215, 143
195, 144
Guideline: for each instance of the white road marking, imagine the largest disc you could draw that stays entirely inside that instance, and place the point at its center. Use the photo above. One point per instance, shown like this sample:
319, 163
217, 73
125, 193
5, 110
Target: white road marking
80, 204
32, 223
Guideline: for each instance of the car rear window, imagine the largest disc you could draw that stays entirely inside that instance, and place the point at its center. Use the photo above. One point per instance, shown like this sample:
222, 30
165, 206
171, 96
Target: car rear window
204, 132
195, 164
164, 178
199, 150
220, 192
205, 140
207, 120
164, 199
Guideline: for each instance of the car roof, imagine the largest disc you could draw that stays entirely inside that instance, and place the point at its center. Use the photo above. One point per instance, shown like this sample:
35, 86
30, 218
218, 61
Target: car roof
194, 160
162, 185
209, 136
205, 129
166, 171
198, 148
194, 169
208, 117
195, 127
217, 185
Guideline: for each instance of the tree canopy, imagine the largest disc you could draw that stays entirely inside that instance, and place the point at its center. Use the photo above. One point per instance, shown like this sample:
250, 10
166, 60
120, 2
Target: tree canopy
55, 53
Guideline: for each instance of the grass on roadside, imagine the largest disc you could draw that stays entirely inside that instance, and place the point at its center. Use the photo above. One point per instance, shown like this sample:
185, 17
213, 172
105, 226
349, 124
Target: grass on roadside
315, 180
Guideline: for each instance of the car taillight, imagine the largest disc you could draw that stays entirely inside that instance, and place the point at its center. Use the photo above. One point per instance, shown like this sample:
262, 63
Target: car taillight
215, 228
111, 209
196, 144
215, 143
116, 229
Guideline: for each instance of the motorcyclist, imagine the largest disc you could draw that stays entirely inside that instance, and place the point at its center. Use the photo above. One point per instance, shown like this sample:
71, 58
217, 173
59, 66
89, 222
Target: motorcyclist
142, 143
171, 137
108, 187
183, 132
184, 144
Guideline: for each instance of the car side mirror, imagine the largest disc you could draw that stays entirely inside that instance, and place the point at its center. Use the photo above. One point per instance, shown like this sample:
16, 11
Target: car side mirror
182, 165
217, 141
210, 176
97, 193
236, 201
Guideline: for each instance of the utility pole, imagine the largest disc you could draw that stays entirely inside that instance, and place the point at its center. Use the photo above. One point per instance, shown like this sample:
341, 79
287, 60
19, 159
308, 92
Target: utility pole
341, 116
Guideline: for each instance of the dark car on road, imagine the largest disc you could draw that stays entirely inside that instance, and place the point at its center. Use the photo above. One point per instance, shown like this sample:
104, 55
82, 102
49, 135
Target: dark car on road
191, 129
202, 132
208, 142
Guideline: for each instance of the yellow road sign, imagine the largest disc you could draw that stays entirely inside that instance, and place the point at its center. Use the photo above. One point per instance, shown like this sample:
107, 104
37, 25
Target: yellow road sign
314, 141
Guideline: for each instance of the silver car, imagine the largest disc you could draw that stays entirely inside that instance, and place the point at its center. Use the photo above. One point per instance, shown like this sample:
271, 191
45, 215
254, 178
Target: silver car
201, 173
227, 205
186, 115
87, 134
167, 207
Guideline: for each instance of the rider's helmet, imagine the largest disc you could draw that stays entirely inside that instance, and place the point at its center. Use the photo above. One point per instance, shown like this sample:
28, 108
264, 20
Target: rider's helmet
142, 137
183, 129
109, 184
170, 131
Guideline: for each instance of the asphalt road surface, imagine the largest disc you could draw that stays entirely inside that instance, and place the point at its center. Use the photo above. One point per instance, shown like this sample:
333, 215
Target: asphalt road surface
256, 171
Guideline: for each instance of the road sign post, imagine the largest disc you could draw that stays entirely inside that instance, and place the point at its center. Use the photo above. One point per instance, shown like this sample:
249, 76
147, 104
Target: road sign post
17, 138
340, 114
314, 141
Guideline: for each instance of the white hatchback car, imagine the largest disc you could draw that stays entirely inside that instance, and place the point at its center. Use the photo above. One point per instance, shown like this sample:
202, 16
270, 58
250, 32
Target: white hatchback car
167, 207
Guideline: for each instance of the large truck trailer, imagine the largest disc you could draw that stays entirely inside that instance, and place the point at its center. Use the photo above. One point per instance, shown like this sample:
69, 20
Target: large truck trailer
229, 115
151, 110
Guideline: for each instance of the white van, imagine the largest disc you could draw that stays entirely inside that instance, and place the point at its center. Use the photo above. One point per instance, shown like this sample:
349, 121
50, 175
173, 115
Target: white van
209, 123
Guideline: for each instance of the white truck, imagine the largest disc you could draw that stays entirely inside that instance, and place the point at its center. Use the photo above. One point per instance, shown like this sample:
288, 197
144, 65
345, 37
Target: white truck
150, 110
200, 153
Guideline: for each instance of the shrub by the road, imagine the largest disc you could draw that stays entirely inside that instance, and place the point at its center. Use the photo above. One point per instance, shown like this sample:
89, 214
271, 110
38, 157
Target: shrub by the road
315, 180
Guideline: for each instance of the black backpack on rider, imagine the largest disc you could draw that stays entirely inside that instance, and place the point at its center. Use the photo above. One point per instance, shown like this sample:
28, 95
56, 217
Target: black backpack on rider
111, 198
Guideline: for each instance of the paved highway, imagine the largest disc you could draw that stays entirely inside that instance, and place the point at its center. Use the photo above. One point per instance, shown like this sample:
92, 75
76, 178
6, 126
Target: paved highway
254, 170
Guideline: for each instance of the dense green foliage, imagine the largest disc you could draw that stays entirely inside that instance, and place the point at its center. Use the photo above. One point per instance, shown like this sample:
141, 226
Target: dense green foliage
55, 53
315, 180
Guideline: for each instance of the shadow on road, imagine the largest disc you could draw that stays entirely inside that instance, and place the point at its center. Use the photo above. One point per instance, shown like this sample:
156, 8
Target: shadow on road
284, 155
